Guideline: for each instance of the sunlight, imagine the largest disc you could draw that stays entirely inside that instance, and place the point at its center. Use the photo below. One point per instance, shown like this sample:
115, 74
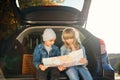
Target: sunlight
103, 21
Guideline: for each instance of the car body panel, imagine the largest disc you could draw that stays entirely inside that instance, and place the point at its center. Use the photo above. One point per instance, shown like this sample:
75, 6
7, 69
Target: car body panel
52, 14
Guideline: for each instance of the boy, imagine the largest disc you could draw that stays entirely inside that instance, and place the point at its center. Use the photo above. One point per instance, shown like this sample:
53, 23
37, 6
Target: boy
45, 50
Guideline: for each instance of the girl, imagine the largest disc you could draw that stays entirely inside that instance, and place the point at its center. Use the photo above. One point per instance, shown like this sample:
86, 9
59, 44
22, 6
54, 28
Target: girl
70, 37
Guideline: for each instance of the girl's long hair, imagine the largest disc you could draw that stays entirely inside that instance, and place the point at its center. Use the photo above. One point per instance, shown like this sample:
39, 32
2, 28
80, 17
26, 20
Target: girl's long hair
69, 33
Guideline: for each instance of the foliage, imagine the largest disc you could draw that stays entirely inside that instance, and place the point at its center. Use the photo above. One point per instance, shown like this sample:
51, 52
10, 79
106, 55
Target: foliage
7, 20
29, 3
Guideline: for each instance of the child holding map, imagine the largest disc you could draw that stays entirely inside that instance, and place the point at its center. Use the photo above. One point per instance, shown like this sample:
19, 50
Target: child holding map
70, 37
45, 50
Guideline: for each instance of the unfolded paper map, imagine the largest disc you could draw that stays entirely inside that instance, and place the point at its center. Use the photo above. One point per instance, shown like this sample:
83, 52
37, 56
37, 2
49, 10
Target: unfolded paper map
71, 59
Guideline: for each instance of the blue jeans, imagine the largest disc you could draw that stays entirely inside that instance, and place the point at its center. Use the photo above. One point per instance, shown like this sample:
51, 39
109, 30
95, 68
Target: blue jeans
73, 73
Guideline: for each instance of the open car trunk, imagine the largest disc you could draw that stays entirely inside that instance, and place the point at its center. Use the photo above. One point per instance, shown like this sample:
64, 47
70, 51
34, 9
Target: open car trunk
52, 15
32, 36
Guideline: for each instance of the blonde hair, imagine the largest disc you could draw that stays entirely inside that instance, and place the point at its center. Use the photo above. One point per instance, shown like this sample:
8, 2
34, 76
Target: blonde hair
70, 33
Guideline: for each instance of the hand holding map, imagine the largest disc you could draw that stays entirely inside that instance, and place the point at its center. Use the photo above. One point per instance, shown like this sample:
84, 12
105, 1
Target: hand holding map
71, 59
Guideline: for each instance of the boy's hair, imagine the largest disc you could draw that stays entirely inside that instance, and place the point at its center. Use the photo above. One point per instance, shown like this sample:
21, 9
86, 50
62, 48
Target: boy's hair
70, 33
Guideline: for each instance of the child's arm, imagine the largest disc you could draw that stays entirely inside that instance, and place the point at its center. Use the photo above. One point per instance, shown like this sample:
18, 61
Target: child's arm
61, 68
84, 59
42, 67
36, 57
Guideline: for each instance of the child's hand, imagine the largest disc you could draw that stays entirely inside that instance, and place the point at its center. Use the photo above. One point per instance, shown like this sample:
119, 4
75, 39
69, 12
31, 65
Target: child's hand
42, 67
83, 60
61, 68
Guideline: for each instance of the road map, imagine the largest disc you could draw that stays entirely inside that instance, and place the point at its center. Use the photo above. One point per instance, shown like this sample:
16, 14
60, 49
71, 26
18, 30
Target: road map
73, 58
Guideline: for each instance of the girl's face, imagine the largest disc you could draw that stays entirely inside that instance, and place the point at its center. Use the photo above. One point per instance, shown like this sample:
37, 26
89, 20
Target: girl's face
50, 42
69, 41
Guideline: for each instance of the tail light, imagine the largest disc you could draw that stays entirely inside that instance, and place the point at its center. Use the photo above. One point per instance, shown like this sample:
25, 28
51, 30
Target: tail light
103, 47
108, 71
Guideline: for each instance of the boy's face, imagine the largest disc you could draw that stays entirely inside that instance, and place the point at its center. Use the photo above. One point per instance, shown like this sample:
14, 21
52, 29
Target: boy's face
50, 42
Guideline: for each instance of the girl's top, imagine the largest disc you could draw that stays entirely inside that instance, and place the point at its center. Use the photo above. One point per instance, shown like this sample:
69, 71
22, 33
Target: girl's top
65, 51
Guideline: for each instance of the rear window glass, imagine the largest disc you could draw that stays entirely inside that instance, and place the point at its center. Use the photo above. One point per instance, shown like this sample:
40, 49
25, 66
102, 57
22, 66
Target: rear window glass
78, 4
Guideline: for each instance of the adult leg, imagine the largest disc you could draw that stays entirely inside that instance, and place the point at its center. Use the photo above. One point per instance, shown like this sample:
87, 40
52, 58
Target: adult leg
72, 73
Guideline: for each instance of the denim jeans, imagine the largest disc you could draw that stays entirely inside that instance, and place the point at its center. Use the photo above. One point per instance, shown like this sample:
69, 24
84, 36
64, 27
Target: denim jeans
74, 72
